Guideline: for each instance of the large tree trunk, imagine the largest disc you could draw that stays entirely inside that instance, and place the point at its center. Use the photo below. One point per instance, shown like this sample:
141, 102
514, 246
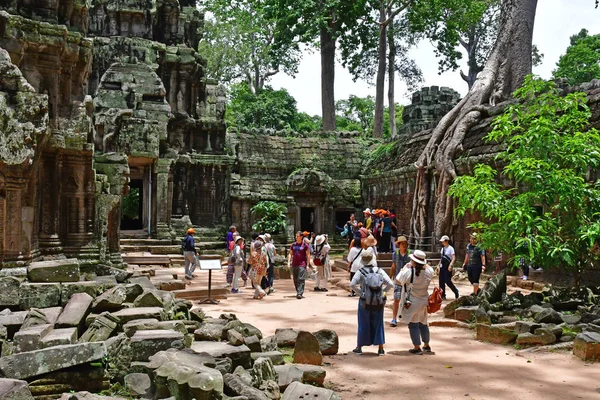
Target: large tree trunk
392, 80
328, 77
504, 71
381, 70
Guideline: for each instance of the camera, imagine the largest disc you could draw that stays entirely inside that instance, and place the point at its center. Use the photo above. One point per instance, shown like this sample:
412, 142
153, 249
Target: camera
407, 304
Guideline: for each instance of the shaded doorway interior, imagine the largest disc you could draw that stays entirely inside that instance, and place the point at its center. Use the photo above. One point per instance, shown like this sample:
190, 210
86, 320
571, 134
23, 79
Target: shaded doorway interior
341, 217
132, 213
307, 219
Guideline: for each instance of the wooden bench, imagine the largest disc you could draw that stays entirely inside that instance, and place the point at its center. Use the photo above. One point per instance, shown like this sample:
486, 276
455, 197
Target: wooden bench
148, 260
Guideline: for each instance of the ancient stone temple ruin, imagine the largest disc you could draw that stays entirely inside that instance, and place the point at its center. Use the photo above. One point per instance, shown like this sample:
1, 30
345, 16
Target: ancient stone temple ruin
97, 98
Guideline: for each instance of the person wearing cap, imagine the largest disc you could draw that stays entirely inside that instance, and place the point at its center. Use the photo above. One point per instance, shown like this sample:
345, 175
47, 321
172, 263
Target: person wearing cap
368, 219
321, 253
370, 319
189, 254
258, 259
447, 259
474, 263
239, 259
400, 258
298, 260
415, 278
271, 254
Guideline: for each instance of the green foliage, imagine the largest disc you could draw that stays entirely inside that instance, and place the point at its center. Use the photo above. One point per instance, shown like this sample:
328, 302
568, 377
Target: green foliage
382, 152
239, 43
541, 199
581, 62
131, 203
269, 108
357, 113
269, 216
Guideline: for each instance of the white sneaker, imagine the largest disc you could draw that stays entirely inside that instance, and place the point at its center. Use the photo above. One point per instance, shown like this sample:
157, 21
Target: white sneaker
524, 278
539, 269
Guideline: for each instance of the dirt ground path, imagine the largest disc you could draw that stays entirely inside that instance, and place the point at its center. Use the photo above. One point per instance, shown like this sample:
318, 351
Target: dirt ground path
459, 368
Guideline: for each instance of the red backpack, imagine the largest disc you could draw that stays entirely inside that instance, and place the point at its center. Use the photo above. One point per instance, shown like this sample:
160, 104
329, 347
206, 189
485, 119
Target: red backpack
434, 303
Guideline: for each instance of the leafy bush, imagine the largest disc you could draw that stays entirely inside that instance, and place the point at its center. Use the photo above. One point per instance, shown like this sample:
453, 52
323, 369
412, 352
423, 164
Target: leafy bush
130, 206
269, 216
542, 199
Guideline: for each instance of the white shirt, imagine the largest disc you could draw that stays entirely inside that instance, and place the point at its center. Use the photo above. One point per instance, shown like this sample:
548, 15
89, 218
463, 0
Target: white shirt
354, 254
449, 251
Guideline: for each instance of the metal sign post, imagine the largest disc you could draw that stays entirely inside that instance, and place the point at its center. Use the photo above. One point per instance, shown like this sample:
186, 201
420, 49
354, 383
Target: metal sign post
209, 263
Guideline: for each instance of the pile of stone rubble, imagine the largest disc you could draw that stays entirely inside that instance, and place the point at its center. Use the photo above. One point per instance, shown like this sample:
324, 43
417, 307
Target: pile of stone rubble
66, 338
566, 318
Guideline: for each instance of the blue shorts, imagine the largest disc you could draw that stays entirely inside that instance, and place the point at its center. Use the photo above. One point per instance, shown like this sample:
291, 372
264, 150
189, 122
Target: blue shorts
397, 291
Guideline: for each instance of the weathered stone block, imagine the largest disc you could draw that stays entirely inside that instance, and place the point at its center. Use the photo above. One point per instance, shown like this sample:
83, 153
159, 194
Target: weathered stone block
300, 391
465, 313
542, 337
130, 314
548, 316
285, 337
587, 346
14, 390
13, 322
111, 300
276, 357
492, 334
286, 374
307, 349
59, 337
234, 337
54, 271
100, 329
239, 355
236, 386
30, 338
145, 344
39, 295
312, 374
78, 307
34, 363
210, 332
138, 385
92, 288
132, 327
149, 298
9, 291
527, 326
253, 344
328, 341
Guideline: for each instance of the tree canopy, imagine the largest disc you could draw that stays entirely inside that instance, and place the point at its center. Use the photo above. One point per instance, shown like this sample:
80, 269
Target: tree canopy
540, 198
581, 61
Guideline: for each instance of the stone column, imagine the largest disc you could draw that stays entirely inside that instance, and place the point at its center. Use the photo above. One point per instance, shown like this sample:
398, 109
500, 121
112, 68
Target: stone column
13, 248
49, 239
163, 199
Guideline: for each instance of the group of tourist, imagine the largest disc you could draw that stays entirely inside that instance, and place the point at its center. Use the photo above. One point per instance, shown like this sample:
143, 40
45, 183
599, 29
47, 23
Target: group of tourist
411, 277
380, 223
306, 252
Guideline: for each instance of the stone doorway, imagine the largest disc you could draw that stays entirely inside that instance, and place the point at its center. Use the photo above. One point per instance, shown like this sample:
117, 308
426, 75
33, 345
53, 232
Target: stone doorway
132, 213
341, 217
307, 219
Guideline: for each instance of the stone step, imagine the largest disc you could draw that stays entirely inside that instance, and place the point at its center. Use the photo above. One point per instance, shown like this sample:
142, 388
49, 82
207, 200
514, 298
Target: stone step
201, 293
169, 249
145, 242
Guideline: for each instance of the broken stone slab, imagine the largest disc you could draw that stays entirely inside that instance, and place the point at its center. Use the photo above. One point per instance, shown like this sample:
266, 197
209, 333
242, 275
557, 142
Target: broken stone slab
35, 317
494, 288
263, 371
30, 339
111, 300
312, 374
132, 327
235, 338
527, 326
170, 285
285, 337
54, 271
276, 357
462, 301
143, 281
34, 363
300, 391
138, 385
571, 319
493, 334
107, 281
236, 386
145, 344
59, 337
13, 322
181, 357
286, 374
9, 291
329, 341
132, 291
14, 389
307, 349
100, 329
542, 338
39, 295
548, 316
465, 314
253, 343
90, 396
587, 346
239, 355
187, 381
92, 288
74, 313
208, 331
130, 314
149, 298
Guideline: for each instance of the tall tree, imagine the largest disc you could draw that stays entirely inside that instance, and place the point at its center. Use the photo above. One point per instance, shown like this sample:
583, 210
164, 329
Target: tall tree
306, 21
506, 67
581, 61
239, 43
